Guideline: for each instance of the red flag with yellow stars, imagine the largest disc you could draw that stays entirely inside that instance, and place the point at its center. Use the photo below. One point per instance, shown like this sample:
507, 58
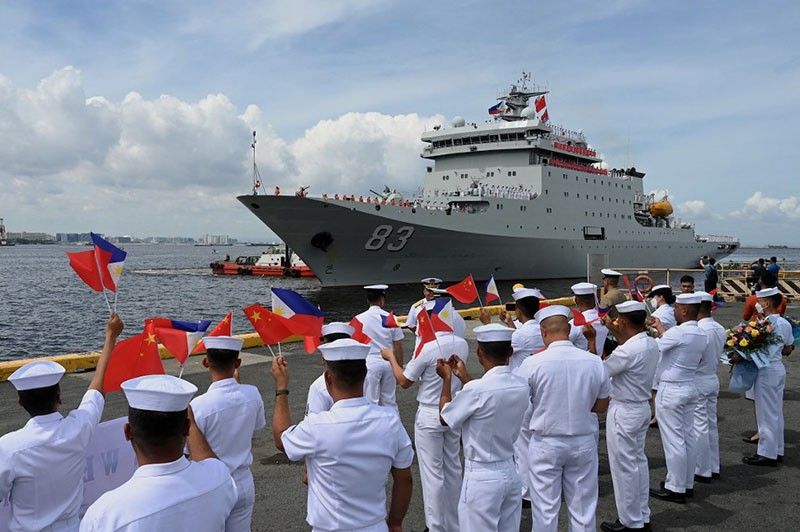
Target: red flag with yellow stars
223, 328
269, 326
465, 291
133, 357
424, 330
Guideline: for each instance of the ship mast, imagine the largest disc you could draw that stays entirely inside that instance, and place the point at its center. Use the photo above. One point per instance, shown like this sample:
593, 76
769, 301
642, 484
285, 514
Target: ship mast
516, 98
257, 184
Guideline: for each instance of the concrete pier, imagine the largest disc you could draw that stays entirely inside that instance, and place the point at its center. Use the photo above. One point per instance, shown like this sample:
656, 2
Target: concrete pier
745, 498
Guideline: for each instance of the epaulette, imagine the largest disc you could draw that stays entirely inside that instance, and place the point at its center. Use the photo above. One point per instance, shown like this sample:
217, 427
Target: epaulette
418, 303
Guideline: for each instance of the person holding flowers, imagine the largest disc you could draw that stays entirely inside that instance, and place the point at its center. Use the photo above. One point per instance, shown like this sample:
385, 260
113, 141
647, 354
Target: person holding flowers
771, 379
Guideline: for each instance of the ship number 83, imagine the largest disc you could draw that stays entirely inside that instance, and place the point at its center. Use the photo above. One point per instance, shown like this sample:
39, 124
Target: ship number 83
383, 233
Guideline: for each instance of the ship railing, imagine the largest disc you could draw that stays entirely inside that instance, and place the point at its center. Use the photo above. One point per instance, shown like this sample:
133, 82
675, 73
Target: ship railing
717, 239
574, 149
575, 166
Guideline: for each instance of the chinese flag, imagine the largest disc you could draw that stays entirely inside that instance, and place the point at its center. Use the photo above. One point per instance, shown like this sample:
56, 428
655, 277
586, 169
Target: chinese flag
85, 265
133, 357
635, 295
539, 104
578, 319
465, 291
424, 331
359, 335
223, 328
269, 326
311, 343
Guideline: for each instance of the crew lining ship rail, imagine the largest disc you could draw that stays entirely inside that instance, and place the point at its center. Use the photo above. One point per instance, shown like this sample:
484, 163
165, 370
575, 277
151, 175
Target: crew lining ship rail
516, 197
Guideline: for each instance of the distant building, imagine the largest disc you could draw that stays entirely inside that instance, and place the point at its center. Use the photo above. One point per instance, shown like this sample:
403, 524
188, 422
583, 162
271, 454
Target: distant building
73, 238
30, 238
215, 240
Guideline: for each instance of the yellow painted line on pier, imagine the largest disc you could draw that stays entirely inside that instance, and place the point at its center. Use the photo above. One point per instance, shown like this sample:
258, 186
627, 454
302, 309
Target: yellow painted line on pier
75, 362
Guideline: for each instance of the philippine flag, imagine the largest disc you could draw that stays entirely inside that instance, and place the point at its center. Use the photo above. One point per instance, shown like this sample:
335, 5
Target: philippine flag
179, 337
492, 294
497, 108
389, 321
442, 315
303, 317
111, 260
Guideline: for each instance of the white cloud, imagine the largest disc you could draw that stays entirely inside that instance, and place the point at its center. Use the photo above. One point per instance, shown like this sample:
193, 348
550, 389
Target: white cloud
768, 208
693, 207
164, 158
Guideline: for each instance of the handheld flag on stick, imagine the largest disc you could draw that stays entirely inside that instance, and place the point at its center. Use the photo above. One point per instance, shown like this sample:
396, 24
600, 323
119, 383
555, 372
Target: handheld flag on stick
441, 315
389, 322
111, 260
636, 295
465, 291
578, 319
133, 357
85, 265
180, 337
223, 328
492, 294
425, 330
302, 317
359, 335
270, 327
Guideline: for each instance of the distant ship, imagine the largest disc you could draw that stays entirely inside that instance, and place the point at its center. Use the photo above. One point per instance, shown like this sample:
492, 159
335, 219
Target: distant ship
777, 246
516, 197
3, 239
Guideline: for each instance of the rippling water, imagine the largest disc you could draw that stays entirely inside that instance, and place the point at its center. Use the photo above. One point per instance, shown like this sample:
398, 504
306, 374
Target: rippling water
45, 309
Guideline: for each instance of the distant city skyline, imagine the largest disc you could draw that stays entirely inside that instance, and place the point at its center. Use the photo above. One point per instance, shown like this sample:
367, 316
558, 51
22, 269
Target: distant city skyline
133, 118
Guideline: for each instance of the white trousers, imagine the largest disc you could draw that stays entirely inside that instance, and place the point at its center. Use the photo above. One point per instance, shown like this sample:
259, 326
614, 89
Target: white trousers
675, 406
490, 497
769, 409
439, 469
626, 430
705, 425
241, 516
521, 450
380, 385
568, 464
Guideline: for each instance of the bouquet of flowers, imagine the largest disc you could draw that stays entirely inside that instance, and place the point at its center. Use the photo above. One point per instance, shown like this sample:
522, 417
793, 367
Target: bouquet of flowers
749, 341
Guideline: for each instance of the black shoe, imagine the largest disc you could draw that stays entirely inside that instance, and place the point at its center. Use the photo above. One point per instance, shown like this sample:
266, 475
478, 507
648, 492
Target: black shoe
690, 493
780, 458
616, 526
750, 440
715, 476
647, 527
703, 480
668, 495
758, 460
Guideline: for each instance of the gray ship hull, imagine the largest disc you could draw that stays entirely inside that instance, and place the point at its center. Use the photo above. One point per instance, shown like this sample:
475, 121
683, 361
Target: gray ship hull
356, 243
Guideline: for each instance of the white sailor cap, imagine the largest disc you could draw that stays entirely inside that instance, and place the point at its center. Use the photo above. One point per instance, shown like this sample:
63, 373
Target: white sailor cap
584, 289
377, 287
439, 291
630, 306
551, 311
431, 282
768, 292
608, 272
688, 299
337, 327
527, 292
493, 332
704, 296
159, 393
39, 374
223, 342
517, 286
661, 287
344, 349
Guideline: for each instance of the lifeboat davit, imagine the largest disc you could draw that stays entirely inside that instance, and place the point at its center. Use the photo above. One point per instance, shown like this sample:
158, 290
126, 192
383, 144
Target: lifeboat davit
661, 209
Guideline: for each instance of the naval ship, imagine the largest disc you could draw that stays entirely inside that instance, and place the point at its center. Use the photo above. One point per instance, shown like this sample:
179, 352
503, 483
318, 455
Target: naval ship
516, 197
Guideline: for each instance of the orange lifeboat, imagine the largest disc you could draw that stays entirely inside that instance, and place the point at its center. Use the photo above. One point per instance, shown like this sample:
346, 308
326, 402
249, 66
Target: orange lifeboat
661, 209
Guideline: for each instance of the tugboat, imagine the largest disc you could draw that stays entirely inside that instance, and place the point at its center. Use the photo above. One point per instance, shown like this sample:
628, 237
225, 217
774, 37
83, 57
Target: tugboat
274, 262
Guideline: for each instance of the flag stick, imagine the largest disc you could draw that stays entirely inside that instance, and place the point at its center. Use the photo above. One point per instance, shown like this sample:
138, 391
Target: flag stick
270, 350
115, 300
430, 324
479, 299
279, 350
180, 373
102, 284
107, 302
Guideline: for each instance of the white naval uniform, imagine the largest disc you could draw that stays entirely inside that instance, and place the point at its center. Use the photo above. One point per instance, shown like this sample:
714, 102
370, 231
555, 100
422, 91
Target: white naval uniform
380, 384
437, 446
459, 325
563, 448
319, 399
666, 313
489, 413
349, 452
768, 391
228, 415
682, 349
705, 415
577, 337
631, 367
42, 467
525, 341
179, 495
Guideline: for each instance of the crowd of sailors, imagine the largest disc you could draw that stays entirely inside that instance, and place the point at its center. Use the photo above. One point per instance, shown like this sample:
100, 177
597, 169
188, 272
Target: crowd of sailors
527, 428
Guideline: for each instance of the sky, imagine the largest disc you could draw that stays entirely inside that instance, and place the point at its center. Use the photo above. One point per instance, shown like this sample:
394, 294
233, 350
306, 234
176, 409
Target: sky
135, 117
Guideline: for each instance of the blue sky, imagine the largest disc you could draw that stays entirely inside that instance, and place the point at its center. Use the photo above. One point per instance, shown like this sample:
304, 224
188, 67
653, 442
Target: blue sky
703, 96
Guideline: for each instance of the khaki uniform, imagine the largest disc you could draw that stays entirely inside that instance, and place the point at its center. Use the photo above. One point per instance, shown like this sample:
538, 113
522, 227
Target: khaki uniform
614, 296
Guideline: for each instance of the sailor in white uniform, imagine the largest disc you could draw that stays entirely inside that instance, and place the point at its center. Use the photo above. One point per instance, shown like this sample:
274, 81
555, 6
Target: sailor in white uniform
707, 382
318, 399
43, 463
379, 386
682, 349
769, 386
631, 367
662, 299
437, 446
229, 414
168, 492
568, 387
489, 412
586, 302
349, 450
428, 285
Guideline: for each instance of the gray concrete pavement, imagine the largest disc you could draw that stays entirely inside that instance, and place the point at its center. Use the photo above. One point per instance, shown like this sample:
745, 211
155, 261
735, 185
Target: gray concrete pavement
745, 498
